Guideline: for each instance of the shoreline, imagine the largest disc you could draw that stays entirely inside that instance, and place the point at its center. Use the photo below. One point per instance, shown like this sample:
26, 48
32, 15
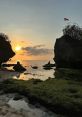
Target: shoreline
62, 95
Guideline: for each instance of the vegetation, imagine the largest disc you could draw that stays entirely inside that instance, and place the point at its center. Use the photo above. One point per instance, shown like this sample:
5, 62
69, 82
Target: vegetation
62, 94
73, 31
6, 51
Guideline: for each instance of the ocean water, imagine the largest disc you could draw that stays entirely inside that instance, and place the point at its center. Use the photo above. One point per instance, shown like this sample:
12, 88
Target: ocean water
30, 73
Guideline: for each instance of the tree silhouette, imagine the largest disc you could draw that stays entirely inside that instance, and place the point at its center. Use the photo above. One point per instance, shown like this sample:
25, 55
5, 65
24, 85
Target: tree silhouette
6, 51
73, 31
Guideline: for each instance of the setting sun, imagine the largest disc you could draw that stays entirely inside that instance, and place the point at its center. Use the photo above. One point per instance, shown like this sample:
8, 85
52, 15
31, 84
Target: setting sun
17, 48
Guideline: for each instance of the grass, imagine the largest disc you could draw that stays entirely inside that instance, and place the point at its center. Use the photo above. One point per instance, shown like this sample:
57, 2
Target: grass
63, 94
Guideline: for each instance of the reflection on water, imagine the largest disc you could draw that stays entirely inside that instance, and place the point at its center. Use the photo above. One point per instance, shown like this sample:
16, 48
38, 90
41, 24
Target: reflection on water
30, 110
39, 73
6, 74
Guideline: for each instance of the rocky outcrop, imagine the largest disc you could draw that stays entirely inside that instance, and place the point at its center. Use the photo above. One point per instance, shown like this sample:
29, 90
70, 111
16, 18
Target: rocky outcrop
18, 67
68, 52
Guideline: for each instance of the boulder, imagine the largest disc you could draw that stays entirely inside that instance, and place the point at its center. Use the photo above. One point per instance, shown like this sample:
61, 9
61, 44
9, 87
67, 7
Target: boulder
18, 67
68, 52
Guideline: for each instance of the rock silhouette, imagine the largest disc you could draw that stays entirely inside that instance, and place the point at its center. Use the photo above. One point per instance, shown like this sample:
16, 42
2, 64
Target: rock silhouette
6, 51
68, 50
18, 67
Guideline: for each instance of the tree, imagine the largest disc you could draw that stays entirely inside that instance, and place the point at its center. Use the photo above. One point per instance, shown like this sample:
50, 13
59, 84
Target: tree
73, 31
6, 51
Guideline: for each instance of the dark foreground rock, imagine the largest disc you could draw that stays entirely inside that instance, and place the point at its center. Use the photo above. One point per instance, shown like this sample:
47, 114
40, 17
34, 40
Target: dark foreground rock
68, 52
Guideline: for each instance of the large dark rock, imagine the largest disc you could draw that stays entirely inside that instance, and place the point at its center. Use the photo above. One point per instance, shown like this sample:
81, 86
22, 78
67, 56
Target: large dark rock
18, 67
6, 52
68, 52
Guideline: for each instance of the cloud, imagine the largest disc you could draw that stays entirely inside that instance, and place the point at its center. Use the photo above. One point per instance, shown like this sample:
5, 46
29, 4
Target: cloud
38, 46
37, 50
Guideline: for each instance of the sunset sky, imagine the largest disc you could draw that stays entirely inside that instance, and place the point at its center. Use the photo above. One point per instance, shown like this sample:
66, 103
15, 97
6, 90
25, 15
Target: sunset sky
34, 25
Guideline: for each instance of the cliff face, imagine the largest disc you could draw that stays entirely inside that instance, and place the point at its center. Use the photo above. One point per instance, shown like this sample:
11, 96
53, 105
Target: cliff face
68, 52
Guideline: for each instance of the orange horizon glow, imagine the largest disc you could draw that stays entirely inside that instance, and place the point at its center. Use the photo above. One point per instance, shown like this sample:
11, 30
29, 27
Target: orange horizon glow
19, 57
18, 42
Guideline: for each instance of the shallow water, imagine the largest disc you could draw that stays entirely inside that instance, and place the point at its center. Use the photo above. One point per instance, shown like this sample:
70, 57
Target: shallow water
30, 73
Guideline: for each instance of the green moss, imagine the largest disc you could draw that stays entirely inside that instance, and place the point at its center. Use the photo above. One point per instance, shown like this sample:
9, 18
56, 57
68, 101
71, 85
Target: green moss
68, 74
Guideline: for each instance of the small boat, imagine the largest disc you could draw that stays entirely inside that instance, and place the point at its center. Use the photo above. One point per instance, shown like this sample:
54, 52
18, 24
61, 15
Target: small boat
49, 65
34, 67
47, 68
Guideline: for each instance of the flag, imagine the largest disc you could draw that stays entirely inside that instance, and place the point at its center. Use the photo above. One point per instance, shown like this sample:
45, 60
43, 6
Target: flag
66, 19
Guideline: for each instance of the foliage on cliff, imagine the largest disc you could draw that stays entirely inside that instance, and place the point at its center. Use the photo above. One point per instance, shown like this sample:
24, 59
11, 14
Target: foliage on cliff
73, 31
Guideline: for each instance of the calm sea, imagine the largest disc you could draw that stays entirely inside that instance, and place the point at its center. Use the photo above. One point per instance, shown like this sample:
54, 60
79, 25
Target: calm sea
30, 73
